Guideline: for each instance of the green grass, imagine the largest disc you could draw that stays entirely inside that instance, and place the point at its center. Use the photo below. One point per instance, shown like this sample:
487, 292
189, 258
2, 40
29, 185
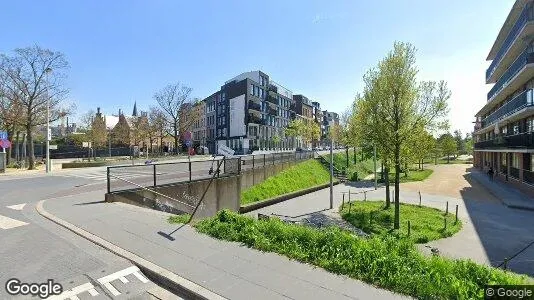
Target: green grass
413, 175
386, 262
427, 223
356, 171
301, 176
182, 219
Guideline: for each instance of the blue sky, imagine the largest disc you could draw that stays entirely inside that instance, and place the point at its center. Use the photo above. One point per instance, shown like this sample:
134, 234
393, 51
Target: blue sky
123, 51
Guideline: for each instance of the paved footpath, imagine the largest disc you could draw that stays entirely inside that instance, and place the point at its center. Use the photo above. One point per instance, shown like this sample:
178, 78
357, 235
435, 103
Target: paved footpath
491, 231
227, 269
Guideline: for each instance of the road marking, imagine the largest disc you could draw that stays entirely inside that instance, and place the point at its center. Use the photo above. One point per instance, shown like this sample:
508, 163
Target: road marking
8, 223
106, 280
72, 293
17, 207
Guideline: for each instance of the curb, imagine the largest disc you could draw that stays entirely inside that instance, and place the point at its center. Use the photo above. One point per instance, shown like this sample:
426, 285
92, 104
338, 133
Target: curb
263, 203
162, 275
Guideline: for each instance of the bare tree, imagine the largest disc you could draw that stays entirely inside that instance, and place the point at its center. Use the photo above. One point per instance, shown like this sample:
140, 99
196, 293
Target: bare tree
35, 76
175, 102
157, 124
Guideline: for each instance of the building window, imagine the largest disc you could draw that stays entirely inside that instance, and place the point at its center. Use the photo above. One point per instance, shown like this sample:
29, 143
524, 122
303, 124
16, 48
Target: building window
252, 89
515, 160
530, 124
516, 128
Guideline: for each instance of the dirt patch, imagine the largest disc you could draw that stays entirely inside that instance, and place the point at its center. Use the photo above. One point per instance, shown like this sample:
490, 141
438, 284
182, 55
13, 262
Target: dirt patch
454, 181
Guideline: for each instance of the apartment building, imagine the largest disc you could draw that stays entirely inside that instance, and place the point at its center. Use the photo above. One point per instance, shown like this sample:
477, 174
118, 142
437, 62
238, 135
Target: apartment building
251, 111
504, 138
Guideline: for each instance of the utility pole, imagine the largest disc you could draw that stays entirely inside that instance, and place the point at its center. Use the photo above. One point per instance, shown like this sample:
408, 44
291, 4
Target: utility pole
374, 160
48, 133
331, 174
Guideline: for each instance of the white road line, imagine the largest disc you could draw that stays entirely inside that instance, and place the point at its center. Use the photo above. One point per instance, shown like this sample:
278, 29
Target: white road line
111, 288
72, 293
106, 280
17, 207
8, 223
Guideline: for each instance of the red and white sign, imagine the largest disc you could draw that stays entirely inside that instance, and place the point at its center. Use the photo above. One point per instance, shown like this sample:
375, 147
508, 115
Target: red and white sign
5, 144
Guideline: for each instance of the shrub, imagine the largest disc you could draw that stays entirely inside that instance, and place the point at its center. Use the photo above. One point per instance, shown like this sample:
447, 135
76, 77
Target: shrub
386, 262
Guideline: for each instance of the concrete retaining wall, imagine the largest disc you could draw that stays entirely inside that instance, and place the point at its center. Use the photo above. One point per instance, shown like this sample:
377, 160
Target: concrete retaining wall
223, 192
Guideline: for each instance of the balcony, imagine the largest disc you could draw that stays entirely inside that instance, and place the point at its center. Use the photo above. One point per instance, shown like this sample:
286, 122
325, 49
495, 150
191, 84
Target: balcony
272, 112
522, 140
519, 64
272, 99
254, 106
255, 120
516, 104
519, 25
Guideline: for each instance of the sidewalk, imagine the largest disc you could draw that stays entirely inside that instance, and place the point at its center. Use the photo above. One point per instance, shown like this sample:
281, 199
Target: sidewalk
228, 269
490, 231
508, 195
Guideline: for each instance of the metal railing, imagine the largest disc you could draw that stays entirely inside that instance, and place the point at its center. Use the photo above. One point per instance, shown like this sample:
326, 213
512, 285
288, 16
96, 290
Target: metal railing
528, 176
517, 103
514, 173
150, 175
522, 140
521, 61
512, 35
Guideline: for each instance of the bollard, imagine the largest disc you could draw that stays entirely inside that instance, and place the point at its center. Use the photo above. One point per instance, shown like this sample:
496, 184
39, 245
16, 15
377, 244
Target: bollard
505, 263
343, 203
447, 208
456, 221
409, 227
365, 196
445, 221
419, 198
350, 206
349, 195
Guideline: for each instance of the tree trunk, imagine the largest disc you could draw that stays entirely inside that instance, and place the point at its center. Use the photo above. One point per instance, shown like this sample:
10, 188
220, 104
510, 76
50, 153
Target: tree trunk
382, 171
396, 224
17, 146
354, 154
347, 152
448, 158
31, 152
405, 169
10, 133
175, 127
386, 180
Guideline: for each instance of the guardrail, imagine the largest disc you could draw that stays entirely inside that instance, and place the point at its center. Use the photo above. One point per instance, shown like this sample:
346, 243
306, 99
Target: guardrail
151, 175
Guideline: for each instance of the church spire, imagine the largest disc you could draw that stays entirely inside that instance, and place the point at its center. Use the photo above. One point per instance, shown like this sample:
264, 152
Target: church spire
134, 114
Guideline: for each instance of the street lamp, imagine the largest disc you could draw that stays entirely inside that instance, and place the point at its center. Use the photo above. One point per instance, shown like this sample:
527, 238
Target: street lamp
48, 133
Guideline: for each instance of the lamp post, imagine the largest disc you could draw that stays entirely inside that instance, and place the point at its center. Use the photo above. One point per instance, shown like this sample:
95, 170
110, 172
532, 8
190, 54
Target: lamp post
48, 133
331, 173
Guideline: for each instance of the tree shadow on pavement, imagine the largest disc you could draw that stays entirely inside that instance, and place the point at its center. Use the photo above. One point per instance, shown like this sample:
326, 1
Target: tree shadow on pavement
502, 231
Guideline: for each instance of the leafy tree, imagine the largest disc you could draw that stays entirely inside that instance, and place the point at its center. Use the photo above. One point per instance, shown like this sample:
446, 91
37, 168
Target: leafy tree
448, 145
460, 142
312, 131
34, 78
121, 132
98, 133
396, 107
468, 144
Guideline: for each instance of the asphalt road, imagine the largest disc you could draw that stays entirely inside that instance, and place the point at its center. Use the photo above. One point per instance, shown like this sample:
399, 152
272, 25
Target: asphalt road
33, 249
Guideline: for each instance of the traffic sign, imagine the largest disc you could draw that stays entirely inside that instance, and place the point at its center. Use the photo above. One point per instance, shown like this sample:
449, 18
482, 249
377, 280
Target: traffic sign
5, 144
188, 143
3, 135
